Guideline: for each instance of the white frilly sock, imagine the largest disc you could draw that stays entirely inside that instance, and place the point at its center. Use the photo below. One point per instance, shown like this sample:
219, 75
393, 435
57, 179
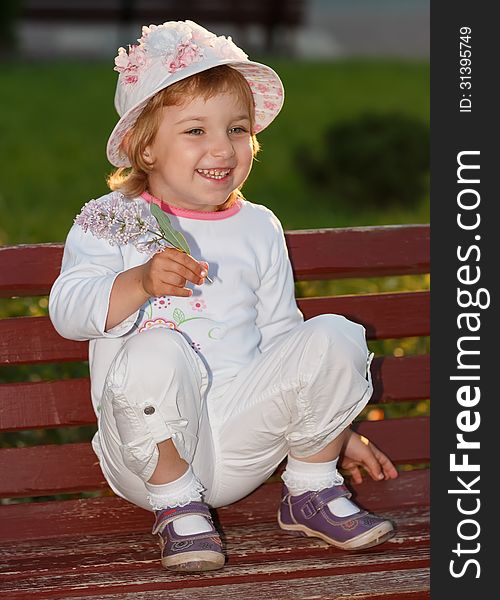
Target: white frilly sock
300, 476
180, 492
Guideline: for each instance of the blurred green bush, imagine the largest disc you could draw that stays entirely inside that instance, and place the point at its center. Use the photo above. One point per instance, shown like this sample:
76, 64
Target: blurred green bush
375, 159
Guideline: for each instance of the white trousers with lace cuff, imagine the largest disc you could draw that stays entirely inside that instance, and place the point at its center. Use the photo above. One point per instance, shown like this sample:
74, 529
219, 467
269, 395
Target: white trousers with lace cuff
298, 396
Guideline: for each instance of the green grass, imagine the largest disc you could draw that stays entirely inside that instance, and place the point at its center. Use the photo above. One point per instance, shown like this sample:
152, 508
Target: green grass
55, 119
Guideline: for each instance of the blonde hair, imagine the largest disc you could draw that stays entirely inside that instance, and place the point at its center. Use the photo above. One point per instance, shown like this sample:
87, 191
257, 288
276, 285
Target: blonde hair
133, 181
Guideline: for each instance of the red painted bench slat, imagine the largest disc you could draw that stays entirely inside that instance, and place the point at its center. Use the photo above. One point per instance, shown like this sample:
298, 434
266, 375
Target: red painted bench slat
359, 251
405, 440
262, 541
42, 520
30, 270
254, 543
247, 546
396, 315
268, 580
55, 469
44, 404
45, 346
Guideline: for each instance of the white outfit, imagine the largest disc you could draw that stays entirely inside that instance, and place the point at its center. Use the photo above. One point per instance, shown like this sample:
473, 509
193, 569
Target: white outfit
232, 374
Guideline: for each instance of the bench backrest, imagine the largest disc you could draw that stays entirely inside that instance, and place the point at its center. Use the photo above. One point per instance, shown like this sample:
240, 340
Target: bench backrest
316, 255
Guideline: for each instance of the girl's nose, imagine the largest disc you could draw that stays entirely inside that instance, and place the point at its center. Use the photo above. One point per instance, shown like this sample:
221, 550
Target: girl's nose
222, 147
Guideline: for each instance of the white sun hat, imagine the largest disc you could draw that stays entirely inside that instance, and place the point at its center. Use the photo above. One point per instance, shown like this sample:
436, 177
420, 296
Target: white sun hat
171, 52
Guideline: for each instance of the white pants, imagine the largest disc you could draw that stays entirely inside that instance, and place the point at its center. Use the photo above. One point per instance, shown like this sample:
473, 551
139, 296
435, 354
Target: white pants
298, 396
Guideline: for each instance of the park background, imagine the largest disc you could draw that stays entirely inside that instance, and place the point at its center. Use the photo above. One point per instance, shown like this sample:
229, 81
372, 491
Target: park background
350, 147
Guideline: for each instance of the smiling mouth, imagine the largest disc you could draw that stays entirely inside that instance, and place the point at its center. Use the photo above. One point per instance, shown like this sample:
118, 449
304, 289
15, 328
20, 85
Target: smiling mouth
214, 173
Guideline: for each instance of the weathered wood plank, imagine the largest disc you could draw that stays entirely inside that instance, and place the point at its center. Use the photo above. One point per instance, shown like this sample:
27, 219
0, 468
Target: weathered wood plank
52, 469
255, 550
244, 544
101, 516
30, 270
43, 404
324, 589
412, 585
272, 577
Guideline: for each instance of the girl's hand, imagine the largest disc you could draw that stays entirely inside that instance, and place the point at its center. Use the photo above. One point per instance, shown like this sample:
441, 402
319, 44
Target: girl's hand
167, 273
360, 452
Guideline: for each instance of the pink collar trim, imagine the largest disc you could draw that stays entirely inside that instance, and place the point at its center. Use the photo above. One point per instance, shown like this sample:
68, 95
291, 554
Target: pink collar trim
193, 214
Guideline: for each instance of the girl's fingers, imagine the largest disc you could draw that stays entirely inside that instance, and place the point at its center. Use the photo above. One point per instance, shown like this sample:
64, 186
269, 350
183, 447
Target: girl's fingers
374, 468
182, 263
173, 279
356, 474
178, 291
388, 468
181, 272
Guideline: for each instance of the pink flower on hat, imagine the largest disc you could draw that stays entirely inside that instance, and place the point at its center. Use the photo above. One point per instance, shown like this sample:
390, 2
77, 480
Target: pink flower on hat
186, 54
176, 46
173, 44
130, 64
159, 40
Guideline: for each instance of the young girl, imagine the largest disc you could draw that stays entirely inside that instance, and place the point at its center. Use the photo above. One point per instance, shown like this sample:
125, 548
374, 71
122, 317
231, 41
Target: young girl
204, 375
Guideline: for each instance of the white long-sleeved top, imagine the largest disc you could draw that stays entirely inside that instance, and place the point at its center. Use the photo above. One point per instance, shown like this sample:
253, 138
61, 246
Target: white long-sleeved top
247, 308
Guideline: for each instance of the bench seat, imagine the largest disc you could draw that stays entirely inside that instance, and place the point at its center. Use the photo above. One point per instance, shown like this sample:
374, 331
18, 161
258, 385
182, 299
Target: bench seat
101, 546
68, 549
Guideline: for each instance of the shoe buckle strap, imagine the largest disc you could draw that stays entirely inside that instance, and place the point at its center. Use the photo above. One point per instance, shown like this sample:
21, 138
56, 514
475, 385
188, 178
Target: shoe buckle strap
308, 509
322, 498
167, 515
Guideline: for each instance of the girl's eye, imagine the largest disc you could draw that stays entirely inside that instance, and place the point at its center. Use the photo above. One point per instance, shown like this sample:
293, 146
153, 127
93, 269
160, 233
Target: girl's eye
195, 131
238, 130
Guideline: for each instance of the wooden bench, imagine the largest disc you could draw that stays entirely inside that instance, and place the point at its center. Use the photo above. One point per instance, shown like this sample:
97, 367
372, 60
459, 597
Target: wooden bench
101, 547
267, 14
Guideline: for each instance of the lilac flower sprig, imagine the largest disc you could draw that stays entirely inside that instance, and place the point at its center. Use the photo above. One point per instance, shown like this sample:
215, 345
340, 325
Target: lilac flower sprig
121, 221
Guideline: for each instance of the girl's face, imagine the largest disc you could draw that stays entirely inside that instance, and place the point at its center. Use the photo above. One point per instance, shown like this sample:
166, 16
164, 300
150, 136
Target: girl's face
201, 153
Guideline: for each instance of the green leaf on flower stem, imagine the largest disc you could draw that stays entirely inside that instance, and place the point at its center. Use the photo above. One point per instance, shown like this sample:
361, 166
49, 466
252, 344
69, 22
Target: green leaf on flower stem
179, 316
172, 236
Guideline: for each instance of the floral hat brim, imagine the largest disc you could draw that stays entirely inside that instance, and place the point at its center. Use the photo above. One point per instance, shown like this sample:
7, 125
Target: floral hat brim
174, 51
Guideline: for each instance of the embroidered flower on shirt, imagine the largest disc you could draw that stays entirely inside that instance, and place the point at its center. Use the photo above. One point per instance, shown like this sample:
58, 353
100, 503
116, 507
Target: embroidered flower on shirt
162, 302
198, 305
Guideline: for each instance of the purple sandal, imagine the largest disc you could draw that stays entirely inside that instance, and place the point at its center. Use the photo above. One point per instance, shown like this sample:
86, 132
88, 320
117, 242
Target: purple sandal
308, 514
196, 552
